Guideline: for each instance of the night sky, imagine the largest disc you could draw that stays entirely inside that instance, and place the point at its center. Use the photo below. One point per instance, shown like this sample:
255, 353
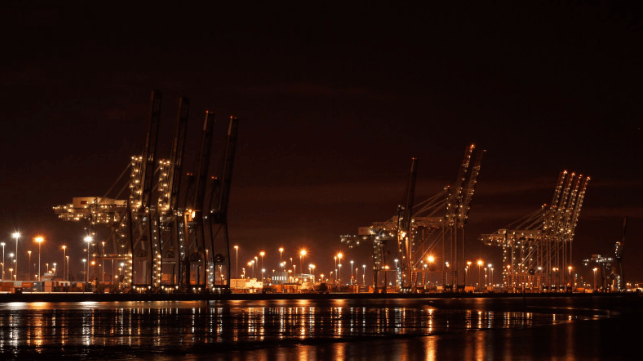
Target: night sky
333, 102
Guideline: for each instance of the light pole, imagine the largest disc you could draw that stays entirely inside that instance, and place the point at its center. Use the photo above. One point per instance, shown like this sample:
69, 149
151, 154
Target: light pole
364, 275
490, 274
236, 271
16, 235
351, 272
11, 273
431, 259
262, 253
357, 277
302, 253
102, 272
466, 270
595, 269
64, 263
257, 265
339, 273
29, 252
312, 266
2, 244
89, 240
490, 267
39, 240
479, 273
281, 254
67, 268
86, 267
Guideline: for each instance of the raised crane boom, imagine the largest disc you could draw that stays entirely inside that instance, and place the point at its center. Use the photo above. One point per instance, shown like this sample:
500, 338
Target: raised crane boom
220, 209
463, 214
176, 157
455, 198
149, 151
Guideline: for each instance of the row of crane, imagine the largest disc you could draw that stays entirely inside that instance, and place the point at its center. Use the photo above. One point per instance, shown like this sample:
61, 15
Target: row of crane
165, 234
536, 249
435, 225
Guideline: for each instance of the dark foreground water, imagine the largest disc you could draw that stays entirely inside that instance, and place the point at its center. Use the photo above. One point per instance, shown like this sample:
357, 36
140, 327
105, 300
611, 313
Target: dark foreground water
592, 328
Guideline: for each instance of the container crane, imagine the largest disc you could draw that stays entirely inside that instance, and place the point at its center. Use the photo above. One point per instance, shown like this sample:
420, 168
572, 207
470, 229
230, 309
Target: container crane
537, 249
433, 226
161, 242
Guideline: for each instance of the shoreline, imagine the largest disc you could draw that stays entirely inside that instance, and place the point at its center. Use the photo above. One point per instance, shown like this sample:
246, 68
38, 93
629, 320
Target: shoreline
124, 297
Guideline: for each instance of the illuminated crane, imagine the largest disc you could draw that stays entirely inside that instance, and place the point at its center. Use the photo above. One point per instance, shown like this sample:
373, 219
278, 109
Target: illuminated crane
163, 242
434, 226
537, 249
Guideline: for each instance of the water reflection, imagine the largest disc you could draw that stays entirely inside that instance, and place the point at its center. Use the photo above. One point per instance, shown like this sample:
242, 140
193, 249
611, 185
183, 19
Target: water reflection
185, 327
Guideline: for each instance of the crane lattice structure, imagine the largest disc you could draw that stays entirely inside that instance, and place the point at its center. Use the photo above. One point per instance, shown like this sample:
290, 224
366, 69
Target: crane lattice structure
433, 227
537, 249
165, 236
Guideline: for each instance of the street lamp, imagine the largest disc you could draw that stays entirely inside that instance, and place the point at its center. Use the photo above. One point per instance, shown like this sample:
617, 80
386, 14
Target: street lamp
16, 235
364, 275
11, 273
312, 266
351, 272
430, 259
39, 240
2, 244
236, 250
89, 240
479, 273
87, 268
490, 274
64, 263
281, 254
595, 269
29, 252
339, 258
302, 253
262, 253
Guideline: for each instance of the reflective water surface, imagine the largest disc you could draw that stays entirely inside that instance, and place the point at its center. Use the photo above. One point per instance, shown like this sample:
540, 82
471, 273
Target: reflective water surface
396, 329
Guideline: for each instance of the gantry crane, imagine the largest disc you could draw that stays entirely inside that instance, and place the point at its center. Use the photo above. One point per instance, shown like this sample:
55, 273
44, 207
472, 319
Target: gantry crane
537, 249
434, 227
163, 244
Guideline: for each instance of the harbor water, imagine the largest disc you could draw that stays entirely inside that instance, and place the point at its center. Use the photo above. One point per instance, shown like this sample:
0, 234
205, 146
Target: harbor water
592, 328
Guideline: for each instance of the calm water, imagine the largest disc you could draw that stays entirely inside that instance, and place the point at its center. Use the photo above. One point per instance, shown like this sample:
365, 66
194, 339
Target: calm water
432, 329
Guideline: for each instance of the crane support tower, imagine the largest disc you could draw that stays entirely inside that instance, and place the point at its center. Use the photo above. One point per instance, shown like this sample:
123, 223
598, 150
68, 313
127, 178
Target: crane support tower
537, 249
430, 235
159, 230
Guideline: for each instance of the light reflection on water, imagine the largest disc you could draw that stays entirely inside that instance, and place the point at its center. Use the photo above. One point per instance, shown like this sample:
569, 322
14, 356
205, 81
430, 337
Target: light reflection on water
86, 327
